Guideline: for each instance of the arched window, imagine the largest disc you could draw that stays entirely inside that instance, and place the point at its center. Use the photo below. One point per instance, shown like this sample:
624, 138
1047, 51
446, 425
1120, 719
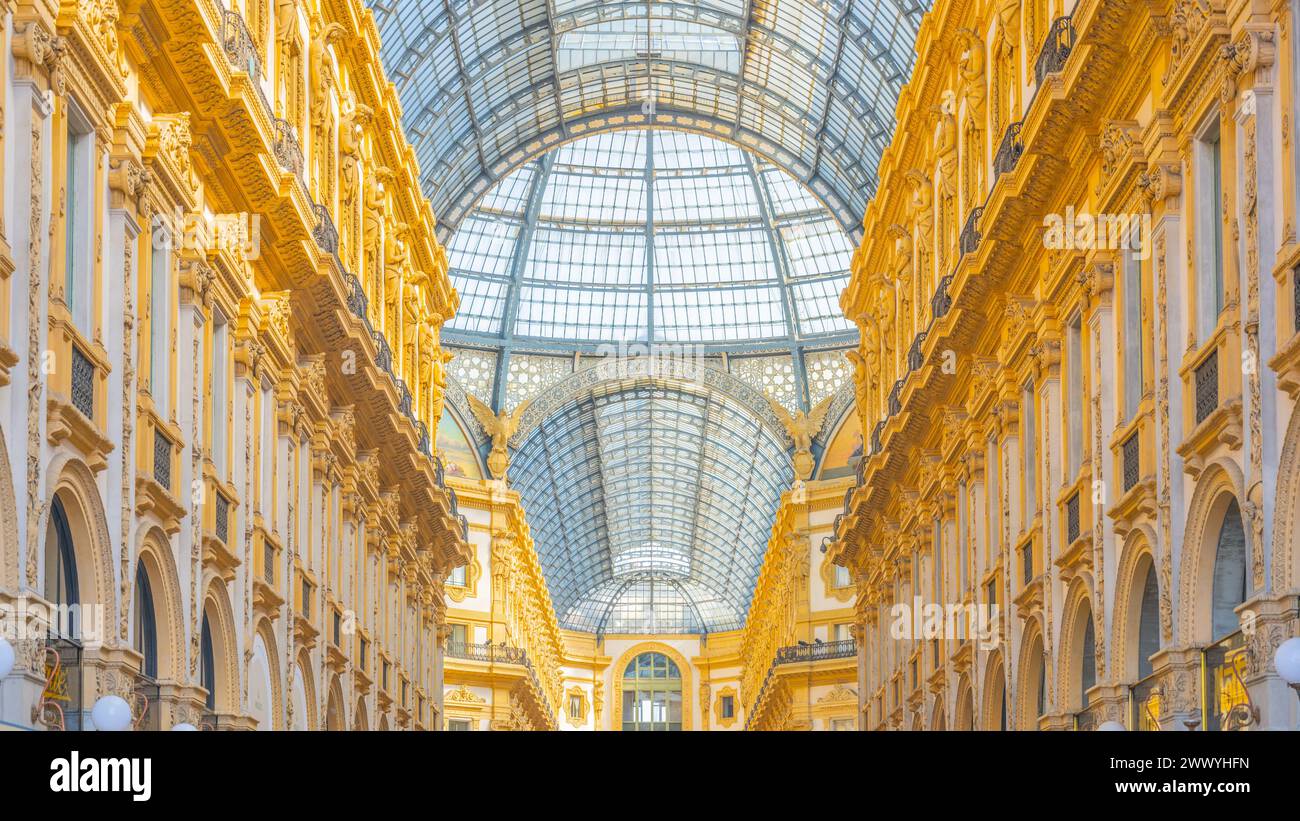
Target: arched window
1148, 624
652, 693
1088, 664
207, 666
1229, 574
146, 628
61, 572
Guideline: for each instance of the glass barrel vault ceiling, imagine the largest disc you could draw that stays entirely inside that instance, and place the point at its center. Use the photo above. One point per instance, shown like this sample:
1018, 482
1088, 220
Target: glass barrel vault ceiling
646, 235
486, 85
650, 506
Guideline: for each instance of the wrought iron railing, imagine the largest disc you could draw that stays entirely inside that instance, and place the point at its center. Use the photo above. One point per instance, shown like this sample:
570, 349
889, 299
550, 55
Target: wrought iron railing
83, 383
222, 517
1129, 458
287, 150
324, 232
423, 442
439, 472
876, 444
895, 399
487, 652
358, 304
453, 502
915, 356
848, 499
1009, 151
464, 525
162, 459
404, 400
1206, 380
941, 302
817, 651
383, 353
1072, 519
970, 232
239, 46
1060, 42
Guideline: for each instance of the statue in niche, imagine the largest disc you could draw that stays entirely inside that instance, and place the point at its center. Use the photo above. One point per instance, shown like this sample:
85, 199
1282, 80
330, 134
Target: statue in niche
396, 257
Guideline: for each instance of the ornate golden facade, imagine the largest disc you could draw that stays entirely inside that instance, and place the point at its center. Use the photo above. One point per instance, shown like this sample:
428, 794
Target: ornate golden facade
221, 371
1092, 433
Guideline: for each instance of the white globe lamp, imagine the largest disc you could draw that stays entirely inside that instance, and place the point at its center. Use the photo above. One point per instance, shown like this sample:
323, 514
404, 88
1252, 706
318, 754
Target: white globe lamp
111, 714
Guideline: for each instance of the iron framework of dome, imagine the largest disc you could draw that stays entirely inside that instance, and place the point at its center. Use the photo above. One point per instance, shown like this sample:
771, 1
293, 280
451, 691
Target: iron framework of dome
648, 236
650, 502
489, 84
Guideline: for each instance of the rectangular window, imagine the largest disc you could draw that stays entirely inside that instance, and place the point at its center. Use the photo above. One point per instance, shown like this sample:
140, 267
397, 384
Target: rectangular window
458, 725
1074, 397
963, 548
841, 632
79, 211
160, 306
1133, 364
1209, 230
842, 576
575, 707
220, 393
728, 707
938, 561
459, 637
842, 725
1028, 435
457, 578
993, 503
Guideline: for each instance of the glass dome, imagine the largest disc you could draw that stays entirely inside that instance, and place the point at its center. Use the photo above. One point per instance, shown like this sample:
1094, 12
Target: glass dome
649, 236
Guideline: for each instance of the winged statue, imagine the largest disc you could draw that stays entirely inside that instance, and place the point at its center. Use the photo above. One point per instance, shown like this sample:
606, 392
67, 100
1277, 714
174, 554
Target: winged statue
802, 427
500, 426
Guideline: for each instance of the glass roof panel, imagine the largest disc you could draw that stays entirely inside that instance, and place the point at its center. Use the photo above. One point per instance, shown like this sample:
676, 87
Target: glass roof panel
695, 478
649, 235
810, 84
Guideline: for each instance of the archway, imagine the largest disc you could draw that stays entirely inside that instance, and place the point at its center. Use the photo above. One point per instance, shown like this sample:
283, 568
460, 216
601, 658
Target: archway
1078, 649
995, 694
218, 672
263, 700
1215, 575
1033, 680
623, 709
965, 715
1135, 633
360, 721
334, 717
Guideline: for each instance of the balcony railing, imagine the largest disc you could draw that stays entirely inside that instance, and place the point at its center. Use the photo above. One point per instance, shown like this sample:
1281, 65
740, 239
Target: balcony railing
83, 383
915, 356
325, 234
162, 459
876, 445
358, 304
487, 652
970, 232
239, 46
1060, 42
1129, 458
895, 399
1009, 151
941, 302
817, 651
288, 152
1206, 380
